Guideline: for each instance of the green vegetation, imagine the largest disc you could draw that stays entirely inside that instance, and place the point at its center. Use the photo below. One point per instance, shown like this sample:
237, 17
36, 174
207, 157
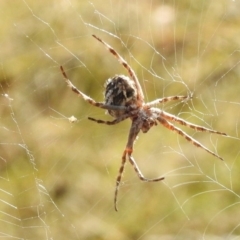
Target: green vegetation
58, 178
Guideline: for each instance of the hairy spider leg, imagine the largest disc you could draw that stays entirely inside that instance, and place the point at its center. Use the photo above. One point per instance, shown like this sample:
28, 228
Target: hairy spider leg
131, 72
170, 126
87, 98
118, 180
115, 121
196, 127
128, 151
165, 99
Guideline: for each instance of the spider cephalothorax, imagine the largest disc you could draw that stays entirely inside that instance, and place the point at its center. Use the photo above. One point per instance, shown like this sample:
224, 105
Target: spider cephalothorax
149, 118
124, 99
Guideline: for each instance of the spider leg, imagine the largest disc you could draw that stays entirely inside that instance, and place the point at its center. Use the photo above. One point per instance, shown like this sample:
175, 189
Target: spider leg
128, 151
87, 98
125, 65
119, 177
140, 175
173, 118
115, 121
170, 126
165, 99
137, 170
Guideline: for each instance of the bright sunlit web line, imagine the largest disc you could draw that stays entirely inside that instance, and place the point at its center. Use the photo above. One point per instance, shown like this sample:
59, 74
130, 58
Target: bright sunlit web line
130, 54
41, 190
71, 119
217, 214
39, 18
74, 55
158, 222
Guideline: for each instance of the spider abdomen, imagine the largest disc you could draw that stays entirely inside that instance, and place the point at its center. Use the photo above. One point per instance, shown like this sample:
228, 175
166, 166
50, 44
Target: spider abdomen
120, 91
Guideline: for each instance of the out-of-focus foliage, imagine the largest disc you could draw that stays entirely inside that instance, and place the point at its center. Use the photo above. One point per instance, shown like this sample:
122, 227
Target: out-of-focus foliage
60, 177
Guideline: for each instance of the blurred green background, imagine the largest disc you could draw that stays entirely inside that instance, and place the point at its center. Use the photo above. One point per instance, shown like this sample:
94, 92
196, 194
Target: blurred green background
58, 177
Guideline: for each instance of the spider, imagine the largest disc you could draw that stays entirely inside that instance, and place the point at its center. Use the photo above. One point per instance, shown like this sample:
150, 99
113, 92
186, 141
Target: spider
124, 99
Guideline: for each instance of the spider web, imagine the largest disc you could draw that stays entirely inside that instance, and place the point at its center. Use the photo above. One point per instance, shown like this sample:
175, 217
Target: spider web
58, 169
